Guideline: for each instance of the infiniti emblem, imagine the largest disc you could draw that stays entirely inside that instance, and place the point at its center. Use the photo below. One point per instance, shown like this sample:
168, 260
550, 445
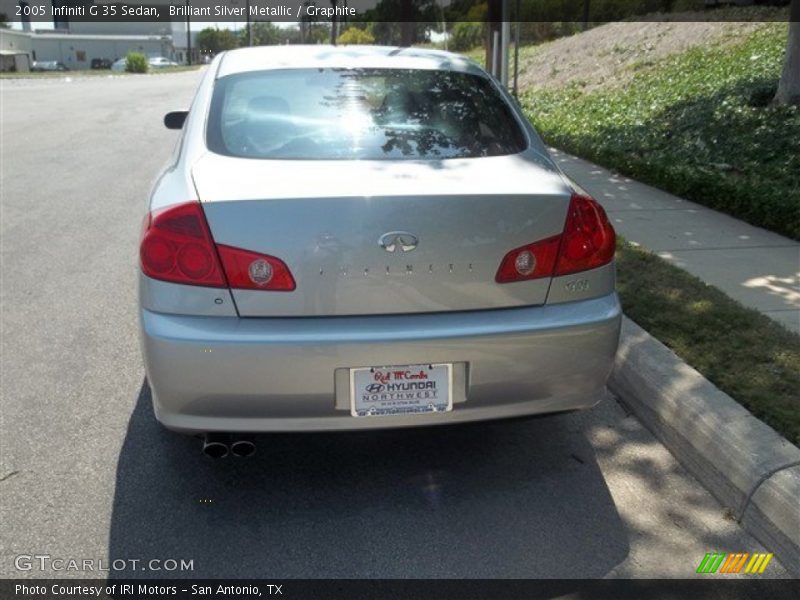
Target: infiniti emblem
394, 241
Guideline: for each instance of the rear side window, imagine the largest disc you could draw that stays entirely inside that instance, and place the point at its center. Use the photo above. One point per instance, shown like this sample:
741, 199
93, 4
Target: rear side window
369, 114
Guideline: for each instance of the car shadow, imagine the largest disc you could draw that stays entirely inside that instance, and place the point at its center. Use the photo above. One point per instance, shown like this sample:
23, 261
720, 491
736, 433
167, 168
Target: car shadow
521, 499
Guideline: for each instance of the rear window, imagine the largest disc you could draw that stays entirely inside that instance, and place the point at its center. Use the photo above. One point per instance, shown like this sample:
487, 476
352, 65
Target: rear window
360, 114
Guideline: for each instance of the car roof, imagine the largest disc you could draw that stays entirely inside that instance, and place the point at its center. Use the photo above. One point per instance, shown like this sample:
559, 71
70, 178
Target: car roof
262, 58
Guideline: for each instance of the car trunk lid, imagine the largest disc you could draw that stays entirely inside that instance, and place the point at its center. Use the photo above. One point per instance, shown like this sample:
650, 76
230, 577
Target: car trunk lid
325, 219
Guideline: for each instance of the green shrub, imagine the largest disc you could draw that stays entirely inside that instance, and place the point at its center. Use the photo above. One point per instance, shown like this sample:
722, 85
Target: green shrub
354, 35
698, 125
465, 36
136, 62
762, 95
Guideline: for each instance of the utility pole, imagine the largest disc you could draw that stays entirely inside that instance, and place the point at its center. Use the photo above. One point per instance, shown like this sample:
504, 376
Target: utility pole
494, 19
444, 23
585, 15
505, 41
188, 36
498, 40
249, 26
334, 32
408, 29
516, 48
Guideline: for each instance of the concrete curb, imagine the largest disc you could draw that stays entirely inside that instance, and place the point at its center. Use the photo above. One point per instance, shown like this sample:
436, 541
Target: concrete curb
743, 462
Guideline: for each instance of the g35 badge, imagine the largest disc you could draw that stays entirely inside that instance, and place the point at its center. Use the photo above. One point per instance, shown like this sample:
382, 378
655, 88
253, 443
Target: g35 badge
577, 285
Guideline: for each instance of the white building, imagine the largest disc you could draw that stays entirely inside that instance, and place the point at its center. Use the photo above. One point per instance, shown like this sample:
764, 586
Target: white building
15, 50
77, 51
119, 27
180, 43
76, 43
77, 47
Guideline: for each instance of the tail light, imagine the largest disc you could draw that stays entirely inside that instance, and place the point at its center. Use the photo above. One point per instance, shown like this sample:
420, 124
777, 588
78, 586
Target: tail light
251, 271
177, 246
529, 262
588, 242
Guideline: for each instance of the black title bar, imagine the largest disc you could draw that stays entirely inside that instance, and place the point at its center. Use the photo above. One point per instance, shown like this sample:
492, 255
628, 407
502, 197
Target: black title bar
712, 586
424, 11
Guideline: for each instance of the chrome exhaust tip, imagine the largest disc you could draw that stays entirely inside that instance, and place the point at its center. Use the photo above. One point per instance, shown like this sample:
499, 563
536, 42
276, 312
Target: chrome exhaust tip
243, 448
215, 446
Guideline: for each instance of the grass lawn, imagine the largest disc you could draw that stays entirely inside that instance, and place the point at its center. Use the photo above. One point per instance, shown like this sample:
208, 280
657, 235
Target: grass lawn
744, 353
698, 125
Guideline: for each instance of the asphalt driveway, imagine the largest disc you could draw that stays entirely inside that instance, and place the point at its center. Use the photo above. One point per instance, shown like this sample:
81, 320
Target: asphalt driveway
86, 472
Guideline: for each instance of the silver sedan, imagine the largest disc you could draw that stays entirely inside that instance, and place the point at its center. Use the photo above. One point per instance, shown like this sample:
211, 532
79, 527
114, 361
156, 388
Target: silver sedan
367, 237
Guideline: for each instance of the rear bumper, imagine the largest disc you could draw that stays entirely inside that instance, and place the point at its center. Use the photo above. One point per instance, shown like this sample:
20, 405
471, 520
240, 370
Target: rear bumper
291, 374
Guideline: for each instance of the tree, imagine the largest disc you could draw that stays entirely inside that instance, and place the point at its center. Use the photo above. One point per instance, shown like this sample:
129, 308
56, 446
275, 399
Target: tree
334, 30
228, 39
494, 19
402, 22
789, 85
312, 30
211, 40
265, 33
207, 40
306, 21
354, 35
317, 33
466, 36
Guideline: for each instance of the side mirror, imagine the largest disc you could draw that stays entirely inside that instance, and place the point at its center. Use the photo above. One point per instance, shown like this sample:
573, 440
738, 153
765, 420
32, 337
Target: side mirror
175, 119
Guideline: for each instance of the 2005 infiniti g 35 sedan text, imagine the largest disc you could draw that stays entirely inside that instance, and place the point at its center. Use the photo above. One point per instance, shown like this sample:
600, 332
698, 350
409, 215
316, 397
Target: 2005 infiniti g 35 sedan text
356, 238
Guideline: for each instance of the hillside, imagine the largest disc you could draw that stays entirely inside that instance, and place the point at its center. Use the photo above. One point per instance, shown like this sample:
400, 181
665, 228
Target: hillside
611, 54
682, 106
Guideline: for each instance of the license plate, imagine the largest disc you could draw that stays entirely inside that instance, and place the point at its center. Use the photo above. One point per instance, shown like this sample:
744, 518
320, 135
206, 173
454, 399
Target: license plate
401, 390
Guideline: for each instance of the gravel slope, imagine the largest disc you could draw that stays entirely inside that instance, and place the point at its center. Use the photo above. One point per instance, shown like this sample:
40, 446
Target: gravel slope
611, 54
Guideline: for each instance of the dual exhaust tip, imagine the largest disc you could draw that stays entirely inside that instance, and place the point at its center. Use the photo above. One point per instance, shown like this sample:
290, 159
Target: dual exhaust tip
217, 445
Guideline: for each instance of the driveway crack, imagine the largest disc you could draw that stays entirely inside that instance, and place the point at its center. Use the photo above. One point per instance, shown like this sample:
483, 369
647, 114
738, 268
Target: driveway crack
8, 475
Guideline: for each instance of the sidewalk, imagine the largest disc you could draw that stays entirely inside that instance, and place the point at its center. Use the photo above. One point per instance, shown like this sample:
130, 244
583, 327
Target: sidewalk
758, 268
